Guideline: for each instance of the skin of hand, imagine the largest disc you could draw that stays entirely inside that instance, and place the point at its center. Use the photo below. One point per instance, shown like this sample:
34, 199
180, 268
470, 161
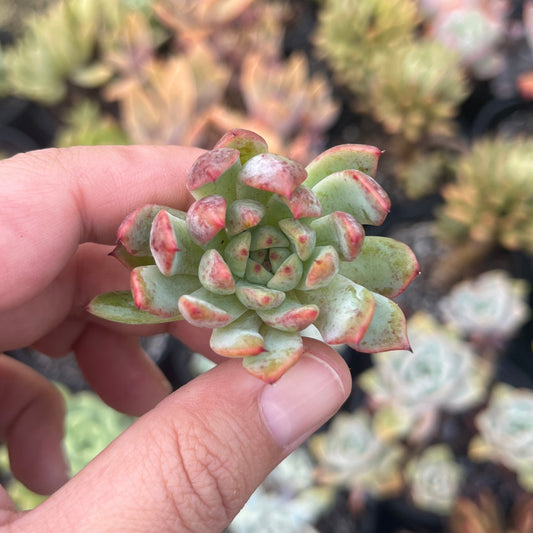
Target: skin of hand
194, 457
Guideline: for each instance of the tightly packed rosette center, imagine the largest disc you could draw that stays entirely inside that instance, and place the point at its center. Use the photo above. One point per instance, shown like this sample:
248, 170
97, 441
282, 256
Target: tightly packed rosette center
270, 251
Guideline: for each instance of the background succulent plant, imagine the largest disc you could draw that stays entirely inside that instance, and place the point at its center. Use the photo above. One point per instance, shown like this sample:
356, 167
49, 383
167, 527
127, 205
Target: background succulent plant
268, 249
492, 306
434, 478
491, 201
416, 89
351, 35
409, 390
506, 432
350, 454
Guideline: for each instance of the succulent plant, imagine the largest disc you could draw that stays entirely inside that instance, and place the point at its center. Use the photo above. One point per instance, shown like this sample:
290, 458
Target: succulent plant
85, 125
57, 47
492, 306
434, 478
350, 454
491, 201
486, 515
352, 34
416, 90
475, 29
167, 105
288, 500
268, 248
409, 390
506, 432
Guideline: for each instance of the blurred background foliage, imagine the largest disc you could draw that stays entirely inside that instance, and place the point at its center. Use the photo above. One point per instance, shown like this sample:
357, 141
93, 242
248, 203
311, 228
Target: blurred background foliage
437, 440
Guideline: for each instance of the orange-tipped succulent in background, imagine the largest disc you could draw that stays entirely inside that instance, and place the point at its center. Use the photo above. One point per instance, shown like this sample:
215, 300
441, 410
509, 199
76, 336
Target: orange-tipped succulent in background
268, 249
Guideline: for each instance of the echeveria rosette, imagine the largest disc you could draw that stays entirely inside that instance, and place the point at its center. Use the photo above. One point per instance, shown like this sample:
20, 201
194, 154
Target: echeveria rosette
268, 249
434, 478
351, 455
492, 306
408, 390
506, 432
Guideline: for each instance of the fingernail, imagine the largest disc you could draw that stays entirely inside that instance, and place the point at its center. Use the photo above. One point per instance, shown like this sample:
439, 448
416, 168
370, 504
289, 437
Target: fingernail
56, 469
302, 400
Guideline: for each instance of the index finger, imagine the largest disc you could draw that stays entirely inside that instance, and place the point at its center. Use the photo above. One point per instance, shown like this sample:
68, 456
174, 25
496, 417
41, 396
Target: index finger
55, 199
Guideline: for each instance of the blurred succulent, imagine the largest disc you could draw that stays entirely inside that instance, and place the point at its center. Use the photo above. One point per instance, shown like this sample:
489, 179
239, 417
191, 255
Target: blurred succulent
475, 29
127, 51
422, 172
506, 432
288, 500
409, 389
491, 201
90, 425
85, 125
168, 105
193, 21
352, 34
268, 248
434, 478
491, 306
55, 48
487, 516
283, 105
350, 454
416, 90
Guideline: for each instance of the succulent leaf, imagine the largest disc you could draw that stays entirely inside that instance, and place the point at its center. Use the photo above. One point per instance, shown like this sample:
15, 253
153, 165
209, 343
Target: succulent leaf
288, 275
258, 296
384, 265
237, 251
344, 157
119, 306
204, 309
214, 274
172, 247
267, 254
159, 294
291, 315
346, 310
242, 215
240, 338
214, 172
303, 203
134, 232
267, 237
272, 173
128, 260
206, 217
342, 231
302, 238
355, 193
387, 330
320, 268
246, 142
282, 350
276, 257
257, 273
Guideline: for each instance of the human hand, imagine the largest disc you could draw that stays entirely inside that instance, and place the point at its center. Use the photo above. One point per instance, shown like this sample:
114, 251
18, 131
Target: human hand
196, 456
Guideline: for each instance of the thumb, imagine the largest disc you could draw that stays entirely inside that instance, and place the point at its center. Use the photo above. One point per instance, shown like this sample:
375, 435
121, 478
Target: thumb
191, 463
